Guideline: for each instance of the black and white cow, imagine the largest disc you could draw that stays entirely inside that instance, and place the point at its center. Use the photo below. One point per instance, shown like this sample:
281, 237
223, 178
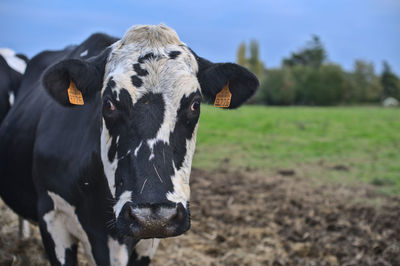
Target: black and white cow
12, 67
112, 174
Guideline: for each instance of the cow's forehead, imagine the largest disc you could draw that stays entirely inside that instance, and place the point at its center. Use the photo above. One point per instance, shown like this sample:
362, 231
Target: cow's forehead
152, 59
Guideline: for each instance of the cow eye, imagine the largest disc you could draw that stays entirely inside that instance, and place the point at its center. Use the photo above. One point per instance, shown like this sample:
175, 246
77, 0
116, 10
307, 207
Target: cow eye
195, 106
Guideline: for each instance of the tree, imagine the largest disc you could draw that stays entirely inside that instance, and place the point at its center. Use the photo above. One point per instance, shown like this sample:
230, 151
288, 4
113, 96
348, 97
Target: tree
313, 55
363, 84
241, 55
322, 86
390, 82
253, 63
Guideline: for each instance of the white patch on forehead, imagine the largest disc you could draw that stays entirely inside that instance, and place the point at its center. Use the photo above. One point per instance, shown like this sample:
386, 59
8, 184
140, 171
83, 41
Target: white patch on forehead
180, 179
84, 53
147, 248
125, 197
64, 227
13, 60
109, 167
118, 253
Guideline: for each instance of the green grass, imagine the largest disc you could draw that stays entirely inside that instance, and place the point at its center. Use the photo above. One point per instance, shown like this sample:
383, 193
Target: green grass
311, 140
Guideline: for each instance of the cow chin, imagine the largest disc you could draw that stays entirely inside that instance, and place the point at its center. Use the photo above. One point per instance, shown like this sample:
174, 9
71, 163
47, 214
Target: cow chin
143, 221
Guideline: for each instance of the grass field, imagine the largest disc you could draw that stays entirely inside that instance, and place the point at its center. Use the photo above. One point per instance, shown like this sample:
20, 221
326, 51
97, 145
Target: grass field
342, 144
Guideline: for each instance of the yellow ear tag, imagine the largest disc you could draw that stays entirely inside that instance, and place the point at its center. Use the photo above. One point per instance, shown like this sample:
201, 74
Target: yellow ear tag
223, 98
74, 95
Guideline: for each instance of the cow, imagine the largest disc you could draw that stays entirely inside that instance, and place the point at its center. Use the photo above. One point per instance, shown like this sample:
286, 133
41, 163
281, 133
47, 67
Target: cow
12, 67
98, 147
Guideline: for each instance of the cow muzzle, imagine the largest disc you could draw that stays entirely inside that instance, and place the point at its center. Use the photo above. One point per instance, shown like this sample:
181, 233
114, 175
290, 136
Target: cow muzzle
156, 220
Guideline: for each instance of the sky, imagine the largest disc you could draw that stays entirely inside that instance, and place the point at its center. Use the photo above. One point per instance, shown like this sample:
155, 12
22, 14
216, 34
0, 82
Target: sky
349, 29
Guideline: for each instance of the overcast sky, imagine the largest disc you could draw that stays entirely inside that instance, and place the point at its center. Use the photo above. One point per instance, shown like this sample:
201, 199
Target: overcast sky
349, 29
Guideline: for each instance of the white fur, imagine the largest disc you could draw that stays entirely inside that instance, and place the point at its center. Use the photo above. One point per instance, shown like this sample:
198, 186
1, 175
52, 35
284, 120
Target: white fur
13, 61
118, 253
84, 53
11, 98
124, 198
138, 148
180, 179
65, 228
24, 228
147, 247
109, 167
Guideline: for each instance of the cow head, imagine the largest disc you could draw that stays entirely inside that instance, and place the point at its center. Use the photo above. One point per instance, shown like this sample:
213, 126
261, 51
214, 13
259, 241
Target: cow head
151, 86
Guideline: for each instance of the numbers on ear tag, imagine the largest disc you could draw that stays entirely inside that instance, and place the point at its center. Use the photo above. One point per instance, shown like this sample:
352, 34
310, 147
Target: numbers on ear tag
223, 98
74, 95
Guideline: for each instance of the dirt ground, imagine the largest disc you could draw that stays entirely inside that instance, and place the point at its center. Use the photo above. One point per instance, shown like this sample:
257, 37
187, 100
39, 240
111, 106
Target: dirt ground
250, 218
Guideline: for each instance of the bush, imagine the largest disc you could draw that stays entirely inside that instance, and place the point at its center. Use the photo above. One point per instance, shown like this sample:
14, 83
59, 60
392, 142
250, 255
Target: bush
326, 85
277, 88
322, 86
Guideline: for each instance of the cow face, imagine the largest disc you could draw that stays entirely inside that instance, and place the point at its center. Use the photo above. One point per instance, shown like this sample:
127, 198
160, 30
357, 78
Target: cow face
151, 88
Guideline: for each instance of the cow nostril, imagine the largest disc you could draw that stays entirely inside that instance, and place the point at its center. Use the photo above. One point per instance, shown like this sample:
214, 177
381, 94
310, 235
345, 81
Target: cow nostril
180, 213
178, 216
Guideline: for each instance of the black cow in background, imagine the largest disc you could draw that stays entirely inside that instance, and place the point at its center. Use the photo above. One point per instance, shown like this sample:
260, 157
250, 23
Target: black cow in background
12, 67
99, 144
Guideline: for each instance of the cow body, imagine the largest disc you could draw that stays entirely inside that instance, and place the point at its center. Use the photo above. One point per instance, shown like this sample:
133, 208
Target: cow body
112, 174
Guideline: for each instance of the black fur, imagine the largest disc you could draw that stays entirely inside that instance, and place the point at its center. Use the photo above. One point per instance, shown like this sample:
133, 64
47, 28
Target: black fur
139, 70
87, 76
136, 81
147, 57
174, 54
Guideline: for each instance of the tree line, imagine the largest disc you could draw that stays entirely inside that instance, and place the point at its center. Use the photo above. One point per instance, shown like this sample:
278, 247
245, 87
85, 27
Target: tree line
306, 77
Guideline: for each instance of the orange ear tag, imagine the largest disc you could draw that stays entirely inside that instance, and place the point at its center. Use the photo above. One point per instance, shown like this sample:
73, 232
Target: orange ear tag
223, 98
74, 95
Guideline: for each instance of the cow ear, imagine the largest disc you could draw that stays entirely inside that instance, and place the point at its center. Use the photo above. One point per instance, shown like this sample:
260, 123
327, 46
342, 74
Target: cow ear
214, 77
80, 76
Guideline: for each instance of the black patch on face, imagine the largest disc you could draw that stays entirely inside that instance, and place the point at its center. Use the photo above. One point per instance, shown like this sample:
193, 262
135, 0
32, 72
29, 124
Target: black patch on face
148, 115
136, 81
140, 71
125, 101
187, 121
146, 57
113, 149
174, 54
110, 84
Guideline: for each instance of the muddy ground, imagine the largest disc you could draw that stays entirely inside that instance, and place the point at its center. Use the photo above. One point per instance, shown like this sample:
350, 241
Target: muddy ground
250, 218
